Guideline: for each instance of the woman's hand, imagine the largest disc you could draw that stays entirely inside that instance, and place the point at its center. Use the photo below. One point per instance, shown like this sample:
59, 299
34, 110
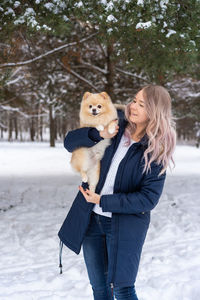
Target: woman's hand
90, 196
106, 135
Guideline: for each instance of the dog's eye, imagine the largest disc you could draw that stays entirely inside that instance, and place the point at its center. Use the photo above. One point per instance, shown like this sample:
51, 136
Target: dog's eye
90, 106
99, 106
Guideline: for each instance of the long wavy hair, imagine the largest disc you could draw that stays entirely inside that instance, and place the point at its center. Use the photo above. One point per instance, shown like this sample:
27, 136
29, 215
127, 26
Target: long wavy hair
160, 128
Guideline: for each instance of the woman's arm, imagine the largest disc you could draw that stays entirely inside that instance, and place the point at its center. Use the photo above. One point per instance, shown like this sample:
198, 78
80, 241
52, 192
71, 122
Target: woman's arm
137, 202
81, 137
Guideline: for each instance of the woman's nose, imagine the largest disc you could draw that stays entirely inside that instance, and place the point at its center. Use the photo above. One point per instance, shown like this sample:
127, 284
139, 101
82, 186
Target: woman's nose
133, 105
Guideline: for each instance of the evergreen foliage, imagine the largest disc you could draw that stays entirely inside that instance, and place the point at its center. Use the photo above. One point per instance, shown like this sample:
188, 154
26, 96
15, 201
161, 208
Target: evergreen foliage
134, 43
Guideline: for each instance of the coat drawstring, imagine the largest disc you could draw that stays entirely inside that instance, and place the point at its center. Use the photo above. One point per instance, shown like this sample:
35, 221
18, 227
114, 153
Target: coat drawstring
60, 256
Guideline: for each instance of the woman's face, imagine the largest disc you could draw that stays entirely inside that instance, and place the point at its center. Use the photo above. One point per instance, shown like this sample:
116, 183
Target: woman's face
138, 113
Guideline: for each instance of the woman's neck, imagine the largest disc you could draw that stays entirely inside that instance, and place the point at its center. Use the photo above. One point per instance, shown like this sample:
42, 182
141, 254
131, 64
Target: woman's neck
138, 134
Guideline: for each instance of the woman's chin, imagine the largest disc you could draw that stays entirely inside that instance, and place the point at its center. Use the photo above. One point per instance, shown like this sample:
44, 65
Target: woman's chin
133, 119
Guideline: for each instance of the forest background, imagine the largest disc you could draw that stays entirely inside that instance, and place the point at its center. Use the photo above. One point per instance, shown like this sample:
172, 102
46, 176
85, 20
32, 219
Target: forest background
51, 52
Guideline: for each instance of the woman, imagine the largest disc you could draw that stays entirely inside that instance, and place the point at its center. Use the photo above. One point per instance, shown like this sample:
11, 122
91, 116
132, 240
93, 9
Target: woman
111, 224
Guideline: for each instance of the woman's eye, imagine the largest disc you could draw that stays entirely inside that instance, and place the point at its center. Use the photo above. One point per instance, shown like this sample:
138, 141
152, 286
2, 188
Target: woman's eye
99, 106
141, 105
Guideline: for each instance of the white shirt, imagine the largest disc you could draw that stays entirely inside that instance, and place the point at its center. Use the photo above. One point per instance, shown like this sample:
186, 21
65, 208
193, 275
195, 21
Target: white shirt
110, 178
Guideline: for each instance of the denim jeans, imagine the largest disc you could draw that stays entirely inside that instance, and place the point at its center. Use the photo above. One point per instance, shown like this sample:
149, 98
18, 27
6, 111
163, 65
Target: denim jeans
96, 252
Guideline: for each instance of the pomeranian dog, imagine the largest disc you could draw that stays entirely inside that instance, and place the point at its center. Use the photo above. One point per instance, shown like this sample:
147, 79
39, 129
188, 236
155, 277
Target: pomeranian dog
97, 110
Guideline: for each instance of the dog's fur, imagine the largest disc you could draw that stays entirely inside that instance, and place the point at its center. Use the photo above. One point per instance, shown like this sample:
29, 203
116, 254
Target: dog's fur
97, 110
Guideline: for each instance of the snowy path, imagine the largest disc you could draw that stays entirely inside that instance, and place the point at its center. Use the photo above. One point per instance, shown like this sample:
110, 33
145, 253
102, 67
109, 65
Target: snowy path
37, 187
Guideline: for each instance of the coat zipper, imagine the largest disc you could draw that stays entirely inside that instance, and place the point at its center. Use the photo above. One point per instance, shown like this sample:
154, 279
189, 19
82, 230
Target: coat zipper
112, 286
115, 252
117, 231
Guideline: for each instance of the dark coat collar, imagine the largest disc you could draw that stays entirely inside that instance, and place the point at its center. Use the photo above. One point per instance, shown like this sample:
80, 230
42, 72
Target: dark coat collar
144, 140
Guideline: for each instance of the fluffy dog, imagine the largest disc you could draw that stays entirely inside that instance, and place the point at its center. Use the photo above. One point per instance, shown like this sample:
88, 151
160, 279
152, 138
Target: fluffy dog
97, 110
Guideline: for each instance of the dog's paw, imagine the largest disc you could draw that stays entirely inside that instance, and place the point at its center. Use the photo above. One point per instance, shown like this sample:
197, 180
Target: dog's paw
100, 127
112, 127
84, 178
111, 130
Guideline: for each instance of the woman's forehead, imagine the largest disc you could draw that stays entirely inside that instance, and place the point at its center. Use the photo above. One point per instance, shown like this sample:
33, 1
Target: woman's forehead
140, 96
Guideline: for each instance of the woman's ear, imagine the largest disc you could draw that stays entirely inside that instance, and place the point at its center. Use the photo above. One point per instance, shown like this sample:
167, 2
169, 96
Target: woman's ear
86, 95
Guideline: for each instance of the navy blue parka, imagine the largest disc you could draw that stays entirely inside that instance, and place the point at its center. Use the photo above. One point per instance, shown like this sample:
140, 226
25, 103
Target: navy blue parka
134, 196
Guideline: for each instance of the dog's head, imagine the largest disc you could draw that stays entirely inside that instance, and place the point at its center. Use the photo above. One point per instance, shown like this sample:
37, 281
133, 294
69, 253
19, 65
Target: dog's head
95, 104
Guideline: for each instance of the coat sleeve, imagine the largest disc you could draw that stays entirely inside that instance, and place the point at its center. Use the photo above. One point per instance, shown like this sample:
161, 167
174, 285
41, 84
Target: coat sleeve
143, 200
81, 137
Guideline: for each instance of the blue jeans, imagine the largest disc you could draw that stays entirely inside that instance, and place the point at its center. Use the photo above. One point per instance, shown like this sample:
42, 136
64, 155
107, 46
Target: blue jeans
96, 252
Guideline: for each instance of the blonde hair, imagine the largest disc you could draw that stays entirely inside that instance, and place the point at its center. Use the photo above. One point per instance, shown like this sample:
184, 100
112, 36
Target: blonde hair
160, 129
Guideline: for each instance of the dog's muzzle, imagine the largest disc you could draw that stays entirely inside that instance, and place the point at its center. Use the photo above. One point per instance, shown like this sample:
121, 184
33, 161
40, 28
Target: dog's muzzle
94, 113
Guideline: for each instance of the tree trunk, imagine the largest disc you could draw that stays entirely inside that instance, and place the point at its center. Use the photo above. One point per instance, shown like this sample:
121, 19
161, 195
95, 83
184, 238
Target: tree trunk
20, 132
160, 78
39, 123
15, 126
10, 126
56, 127
60, 127
51, 127
41, 128
64, 127
32, 130
111, 70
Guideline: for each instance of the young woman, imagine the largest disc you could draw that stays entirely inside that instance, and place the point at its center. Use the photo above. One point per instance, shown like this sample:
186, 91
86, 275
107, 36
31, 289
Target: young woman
111, 224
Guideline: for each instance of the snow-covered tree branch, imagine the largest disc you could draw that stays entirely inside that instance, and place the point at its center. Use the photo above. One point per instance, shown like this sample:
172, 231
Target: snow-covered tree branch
81, 78
53, 51
132, 75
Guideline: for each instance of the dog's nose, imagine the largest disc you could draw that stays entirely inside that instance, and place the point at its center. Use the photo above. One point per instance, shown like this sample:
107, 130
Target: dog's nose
94, 112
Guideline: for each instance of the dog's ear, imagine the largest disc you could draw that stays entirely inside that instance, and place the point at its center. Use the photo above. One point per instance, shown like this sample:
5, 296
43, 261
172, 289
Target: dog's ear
86, 95
104, 95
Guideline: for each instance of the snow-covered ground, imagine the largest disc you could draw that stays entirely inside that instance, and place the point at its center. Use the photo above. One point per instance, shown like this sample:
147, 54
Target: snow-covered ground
37, 187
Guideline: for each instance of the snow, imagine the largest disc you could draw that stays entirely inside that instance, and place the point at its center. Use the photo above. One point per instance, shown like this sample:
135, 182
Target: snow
79, 4
163, 4
29, 11
46, 27
144, 25
164, 24
29, 15
10, 11
20, 20
36, 191
110, 5
16, 4
140, 2
187, 160
193, 43
49, 5
104, 2
65, 18
109, 30
186, 88
111, 18
170, 32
